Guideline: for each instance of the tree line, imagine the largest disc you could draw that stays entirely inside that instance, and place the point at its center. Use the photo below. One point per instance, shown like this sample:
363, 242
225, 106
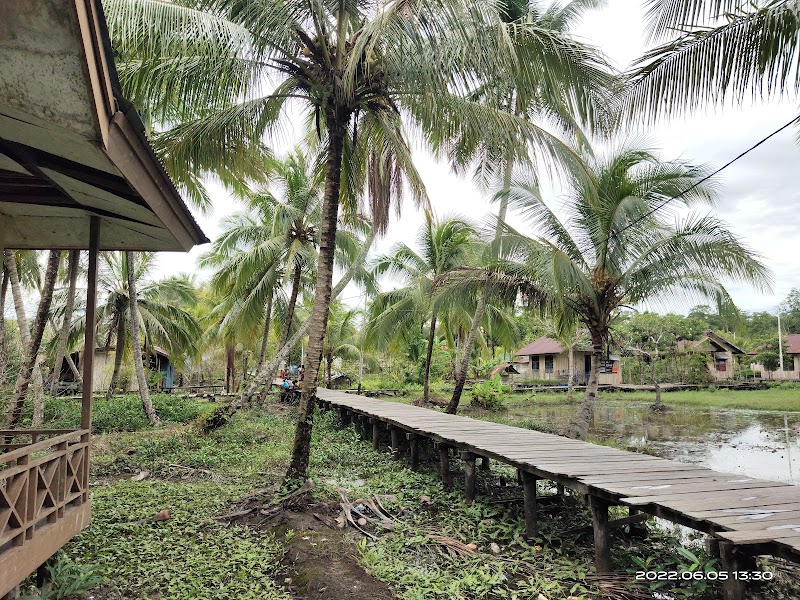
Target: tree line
501, 90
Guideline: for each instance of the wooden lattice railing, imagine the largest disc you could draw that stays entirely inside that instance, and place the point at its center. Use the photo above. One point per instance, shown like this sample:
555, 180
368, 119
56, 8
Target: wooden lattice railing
43, 474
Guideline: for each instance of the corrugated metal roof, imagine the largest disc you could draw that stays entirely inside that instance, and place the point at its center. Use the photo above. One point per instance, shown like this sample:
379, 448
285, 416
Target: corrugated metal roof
544, 345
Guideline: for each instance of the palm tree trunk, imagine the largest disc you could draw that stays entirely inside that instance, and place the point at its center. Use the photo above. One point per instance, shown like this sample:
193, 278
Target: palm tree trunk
301, 450
298, 273
118, 352
579, 427
328, 361
461, 373
35, 341
136, 342
61, 347
265, 336
37, 384
426, 383
3, 355
230, 359
571, 372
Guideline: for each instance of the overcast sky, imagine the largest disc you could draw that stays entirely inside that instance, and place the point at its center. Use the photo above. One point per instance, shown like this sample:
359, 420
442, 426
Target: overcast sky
760, 200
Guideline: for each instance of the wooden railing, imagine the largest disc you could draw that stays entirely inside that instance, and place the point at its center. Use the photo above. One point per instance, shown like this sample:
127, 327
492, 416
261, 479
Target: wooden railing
43, 476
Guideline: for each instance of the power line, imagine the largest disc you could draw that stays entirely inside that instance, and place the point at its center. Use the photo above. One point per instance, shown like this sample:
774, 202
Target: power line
658, 207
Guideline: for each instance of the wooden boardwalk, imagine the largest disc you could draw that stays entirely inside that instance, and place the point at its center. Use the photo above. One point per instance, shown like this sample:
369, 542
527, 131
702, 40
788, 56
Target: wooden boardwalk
745, 516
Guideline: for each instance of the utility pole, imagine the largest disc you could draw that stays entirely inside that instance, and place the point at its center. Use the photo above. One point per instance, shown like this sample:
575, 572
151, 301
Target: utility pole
361, 355
780, 344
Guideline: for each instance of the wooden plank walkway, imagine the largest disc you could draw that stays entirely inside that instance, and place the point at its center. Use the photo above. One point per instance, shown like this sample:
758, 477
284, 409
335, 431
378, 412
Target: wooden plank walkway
745, 515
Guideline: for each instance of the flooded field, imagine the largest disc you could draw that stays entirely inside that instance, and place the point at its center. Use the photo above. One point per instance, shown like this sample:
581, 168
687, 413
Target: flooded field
761, 444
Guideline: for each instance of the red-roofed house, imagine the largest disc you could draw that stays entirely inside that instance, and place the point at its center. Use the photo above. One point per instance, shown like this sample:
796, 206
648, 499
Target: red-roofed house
546, 358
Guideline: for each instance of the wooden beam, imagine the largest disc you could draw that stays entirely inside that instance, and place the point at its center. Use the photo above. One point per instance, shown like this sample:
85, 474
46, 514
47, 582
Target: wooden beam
733, 559
413, 450
469, 476
444, 466
395, 433
602, 534
376, 434
529, 492
88, 347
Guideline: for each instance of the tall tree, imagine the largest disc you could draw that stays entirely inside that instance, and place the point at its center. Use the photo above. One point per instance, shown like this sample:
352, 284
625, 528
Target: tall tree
63, 334
617, 248
32, 347
571, 100
136, 341
162, 306
358, 71
442, 247
341, 340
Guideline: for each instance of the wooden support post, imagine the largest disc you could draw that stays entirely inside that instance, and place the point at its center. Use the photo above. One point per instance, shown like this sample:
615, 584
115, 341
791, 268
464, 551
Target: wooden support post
602, 534
364, 427
560, 489
469, 476
485, 463
89, 344
343, 415
376, 434
529, 492
444, 466
519, 476
395, 433
636, 527
734, 558
413, 450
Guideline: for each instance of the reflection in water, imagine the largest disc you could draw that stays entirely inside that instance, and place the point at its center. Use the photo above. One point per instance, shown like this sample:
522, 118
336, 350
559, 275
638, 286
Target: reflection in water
754, 443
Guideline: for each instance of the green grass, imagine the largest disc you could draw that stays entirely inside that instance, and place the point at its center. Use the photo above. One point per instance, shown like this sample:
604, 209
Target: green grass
781, 398
117, 414
196, 477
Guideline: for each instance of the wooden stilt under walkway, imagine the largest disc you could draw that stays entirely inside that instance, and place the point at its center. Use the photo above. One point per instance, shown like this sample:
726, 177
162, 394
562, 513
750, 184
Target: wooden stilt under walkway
748, 516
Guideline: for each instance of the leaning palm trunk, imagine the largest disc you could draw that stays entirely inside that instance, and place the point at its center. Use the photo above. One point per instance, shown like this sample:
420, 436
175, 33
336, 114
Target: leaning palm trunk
266, 374
656, 385
426, 385
301, 449
579, 427
136, 342
287, 324
118, 352
37, 383
32, 348
461, 372
61, 347
265, 336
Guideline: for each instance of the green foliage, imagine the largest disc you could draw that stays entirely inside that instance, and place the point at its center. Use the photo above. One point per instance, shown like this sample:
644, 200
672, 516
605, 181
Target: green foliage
117, 413
66, 579
490, 394
770, 360
189, 556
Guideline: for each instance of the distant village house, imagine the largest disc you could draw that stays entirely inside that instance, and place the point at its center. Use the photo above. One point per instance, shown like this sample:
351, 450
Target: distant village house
547, 359
719, 351
791, 361
104, 369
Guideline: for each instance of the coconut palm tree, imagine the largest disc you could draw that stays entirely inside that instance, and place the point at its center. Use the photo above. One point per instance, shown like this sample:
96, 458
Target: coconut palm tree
715, 50
620, 246
358, 71
341, 337
31, 354
442, 247
62, 337
571, 102
162, 308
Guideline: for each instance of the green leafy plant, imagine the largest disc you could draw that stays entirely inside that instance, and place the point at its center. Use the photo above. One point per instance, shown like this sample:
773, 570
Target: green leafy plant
490, 394
67, 580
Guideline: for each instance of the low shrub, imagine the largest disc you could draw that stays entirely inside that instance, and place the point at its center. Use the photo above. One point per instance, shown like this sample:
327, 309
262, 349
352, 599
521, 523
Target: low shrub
490, 394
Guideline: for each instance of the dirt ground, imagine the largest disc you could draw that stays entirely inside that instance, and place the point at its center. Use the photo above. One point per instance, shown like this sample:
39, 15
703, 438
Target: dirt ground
321, 562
